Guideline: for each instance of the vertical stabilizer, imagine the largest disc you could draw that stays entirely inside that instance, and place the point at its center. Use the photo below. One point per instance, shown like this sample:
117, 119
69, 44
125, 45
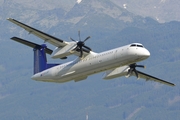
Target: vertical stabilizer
40, 61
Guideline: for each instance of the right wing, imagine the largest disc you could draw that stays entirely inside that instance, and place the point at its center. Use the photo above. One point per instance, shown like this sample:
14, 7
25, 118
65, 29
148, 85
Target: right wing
152, 78
123, 71
46, 37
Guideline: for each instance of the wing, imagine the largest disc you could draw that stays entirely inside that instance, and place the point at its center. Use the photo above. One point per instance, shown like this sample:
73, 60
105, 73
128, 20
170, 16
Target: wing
152, 78
46, 37
62, 53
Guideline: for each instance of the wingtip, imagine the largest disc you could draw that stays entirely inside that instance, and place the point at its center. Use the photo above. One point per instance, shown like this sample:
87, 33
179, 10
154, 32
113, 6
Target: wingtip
172, 84
9, 18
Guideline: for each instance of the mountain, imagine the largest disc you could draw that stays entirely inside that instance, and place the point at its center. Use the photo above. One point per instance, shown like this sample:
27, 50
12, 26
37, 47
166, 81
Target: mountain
109, 26
160, 10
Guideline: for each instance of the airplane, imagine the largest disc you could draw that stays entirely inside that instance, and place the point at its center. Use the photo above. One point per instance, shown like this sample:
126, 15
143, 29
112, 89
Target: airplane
118, 62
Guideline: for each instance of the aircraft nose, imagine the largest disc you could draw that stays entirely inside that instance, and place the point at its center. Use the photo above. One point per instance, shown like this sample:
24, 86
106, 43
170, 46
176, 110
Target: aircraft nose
145, 53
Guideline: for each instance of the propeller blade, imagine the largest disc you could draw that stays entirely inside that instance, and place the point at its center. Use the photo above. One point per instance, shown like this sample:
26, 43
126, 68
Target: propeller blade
129, 72
79, 35
73, 39
81, 53
136, 73
87, 38
75, 48
87, 48
142, 66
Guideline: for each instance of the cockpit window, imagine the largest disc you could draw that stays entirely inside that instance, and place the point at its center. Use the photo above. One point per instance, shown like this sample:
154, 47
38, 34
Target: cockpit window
136, 45
133, 45
139, 46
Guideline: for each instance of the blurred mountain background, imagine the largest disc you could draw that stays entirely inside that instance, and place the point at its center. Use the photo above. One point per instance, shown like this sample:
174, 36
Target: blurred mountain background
110, 23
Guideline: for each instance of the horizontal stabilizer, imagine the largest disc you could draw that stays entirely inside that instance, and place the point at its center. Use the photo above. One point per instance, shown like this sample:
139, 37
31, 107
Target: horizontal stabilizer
31, 44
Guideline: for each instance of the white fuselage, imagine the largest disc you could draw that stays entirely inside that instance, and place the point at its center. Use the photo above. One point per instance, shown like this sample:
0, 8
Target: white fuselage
80, 69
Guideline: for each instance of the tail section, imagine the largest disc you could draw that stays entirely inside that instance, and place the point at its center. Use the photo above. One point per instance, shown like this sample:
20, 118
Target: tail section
40, 60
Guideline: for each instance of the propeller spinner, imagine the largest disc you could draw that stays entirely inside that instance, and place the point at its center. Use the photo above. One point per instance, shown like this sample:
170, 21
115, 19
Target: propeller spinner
80, 44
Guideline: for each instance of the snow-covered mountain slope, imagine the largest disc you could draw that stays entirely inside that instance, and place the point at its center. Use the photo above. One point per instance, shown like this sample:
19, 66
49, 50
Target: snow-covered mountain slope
161, 10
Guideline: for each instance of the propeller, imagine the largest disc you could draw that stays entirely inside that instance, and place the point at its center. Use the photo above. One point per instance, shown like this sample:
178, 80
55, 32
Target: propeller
133, 69
80, 44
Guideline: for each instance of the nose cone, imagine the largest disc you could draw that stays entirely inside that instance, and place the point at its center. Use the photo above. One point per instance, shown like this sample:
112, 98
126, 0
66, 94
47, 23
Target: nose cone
145, 53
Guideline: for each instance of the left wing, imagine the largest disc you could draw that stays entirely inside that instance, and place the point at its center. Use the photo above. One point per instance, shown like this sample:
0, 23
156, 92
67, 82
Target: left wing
63, 49
152, 78
46, 37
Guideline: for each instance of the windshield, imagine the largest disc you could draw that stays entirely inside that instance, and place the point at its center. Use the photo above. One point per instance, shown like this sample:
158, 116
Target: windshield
136, 45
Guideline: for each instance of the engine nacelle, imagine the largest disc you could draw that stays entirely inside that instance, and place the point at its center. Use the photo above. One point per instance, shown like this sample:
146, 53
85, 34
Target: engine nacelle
118, 72
63, 52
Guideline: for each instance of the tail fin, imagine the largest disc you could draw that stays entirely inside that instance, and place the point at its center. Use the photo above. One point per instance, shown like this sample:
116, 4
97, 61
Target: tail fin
40, 60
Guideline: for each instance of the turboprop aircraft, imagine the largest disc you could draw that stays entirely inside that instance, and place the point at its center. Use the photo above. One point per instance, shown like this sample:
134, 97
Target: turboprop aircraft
115, 63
